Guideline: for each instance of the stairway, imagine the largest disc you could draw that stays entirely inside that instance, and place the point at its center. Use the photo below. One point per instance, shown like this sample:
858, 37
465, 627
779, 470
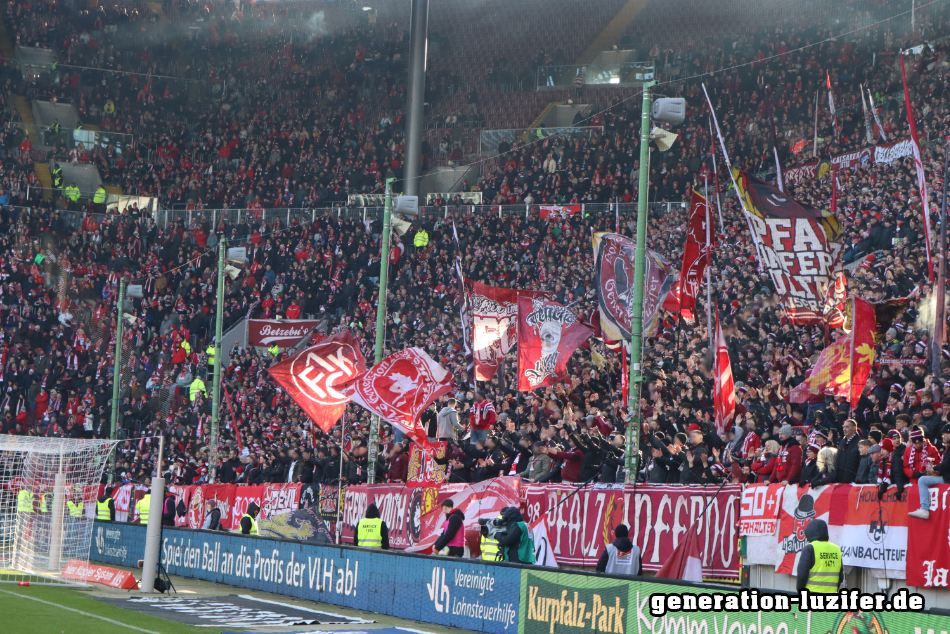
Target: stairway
613, 31
46, 179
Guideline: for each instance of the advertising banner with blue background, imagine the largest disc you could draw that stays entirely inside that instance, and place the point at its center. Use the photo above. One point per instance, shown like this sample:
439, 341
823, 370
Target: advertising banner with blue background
462, 593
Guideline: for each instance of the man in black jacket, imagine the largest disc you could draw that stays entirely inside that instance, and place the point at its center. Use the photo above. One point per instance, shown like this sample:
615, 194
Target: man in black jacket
934, 475
817, 530
848, 458
248, 523
372, 513
451, 540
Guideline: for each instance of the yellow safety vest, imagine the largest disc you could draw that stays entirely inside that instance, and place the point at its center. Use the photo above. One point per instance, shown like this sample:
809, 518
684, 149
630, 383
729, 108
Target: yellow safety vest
196, 386
823, 576
489, 548
75, 510
253, 525
102, 511
274, 350
72, 193
421, 239
186, 346
142, 507
43, 507
210, 353
24, 501
100, 196
370, 532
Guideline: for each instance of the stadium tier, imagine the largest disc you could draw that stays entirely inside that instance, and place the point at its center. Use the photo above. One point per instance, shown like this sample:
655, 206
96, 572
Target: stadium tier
194, 244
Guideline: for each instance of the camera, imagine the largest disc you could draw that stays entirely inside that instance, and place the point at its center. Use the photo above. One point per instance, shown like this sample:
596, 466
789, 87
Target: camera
491, 528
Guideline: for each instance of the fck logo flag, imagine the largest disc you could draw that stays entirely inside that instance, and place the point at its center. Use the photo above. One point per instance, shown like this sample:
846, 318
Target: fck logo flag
315, 378
548, 334
400, 387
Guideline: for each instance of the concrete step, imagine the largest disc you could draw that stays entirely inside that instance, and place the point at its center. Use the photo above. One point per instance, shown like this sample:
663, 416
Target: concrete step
46, 179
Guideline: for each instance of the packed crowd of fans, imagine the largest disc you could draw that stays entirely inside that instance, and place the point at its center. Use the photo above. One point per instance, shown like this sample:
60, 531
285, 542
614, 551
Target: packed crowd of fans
255, 144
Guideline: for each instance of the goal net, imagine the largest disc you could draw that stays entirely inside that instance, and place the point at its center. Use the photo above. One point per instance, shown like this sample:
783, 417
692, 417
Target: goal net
48, 491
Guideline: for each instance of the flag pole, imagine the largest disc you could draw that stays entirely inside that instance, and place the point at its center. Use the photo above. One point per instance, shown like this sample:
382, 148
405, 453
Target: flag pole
709, 330
117, 370
632, 445
216, 382
339, 482
380, 325
940, 293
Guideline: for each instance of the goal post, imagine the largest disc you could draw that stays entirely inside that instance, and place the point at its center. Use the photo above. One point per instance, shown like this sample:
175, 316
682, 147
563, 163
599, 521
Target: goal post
48, 491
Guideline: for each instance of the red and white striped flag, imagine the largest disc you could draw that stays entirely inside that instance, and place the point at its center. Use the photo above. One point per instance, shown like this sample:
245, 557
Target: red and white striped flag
921, 175
725, 395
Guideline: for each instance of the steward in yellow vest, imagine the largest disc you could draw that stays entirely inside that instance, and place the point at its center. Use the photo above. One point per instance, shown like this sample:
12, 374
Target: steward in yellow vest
100, 196
24, 501
142, 507
819, 568
197, 386
421, 239
75, 508
105, 507
248, 525
372, 531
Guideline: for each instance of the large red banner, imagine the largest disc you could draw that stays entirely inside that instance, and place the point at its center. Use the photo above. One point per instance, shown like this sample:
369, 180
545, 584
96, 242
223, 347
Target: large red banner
283, 333
548, 334
400, 506
582, 526
182, 495
928, 548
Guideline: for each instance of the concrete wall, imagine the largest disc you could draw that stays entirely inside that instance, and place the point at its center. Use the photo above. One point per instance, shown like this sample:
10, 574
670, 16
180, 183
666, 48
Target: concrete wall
444, 179
35, 58
45, 112
562, 116
86, 177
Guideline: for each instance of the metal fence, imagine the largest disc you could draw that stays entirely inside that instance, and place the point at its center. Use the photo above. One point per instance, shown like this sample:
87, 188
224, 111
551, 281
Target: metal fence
286, 217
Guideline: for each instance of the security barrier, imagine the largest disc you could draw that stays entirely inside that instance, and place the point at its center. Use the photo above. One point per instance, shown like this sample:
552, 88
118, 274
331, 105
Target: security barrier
484, 597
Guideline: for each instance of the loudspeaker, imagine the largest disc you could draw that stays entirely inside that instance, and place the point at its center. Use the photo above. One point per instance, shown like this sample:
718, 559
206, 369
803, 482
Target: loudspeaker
670, 110
406, 205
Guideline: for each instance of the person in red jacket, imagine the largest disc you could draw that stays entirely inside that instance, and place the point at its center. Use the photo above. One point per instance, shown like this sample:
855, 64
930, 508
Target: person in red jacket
482, 418
570, 461
788, 465
398, 464
916, 454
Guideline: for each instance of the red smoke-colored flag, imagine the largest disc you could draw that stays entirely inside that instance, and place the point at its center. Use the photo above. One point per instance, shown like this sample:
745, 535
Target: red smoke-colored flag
315, 378
548, 334
725, 397
695, 257
686, 561
863, 327
400, 387
495, 332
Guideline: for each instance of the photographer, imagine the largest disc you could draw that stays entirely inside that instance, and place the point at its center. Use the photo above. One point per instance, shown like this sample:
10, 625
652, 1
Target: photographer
515, 540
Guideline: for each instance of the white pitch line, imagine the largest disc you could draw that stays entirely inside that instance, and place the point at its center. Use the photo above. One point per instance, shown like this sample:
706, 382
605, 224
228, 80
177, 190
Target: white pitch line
349, 620
95, 616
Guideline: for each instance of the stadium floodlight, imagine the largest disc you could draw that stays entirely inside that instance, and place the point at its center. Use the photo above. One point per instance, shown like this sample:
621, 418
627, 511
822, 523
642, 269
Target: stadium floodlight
48, 490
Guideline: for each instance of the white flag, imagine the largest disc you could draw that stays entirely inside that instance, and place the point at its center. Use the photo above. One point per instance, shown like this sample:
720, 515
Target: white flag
543, 551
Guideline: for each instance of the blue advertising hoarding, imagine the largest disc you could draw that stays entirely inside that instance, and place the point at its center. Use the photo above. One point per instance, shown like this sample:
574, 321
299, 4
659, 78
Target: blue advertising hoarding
462, 593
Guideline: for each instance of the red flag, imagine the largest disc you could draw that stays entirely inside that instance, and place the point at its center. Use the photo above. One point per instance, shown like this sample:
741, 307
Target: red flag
315, 377
400, 387
234, 423
863, 327
548, 334
495, 332
685, 562
725, 397
921, 175
695, 257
